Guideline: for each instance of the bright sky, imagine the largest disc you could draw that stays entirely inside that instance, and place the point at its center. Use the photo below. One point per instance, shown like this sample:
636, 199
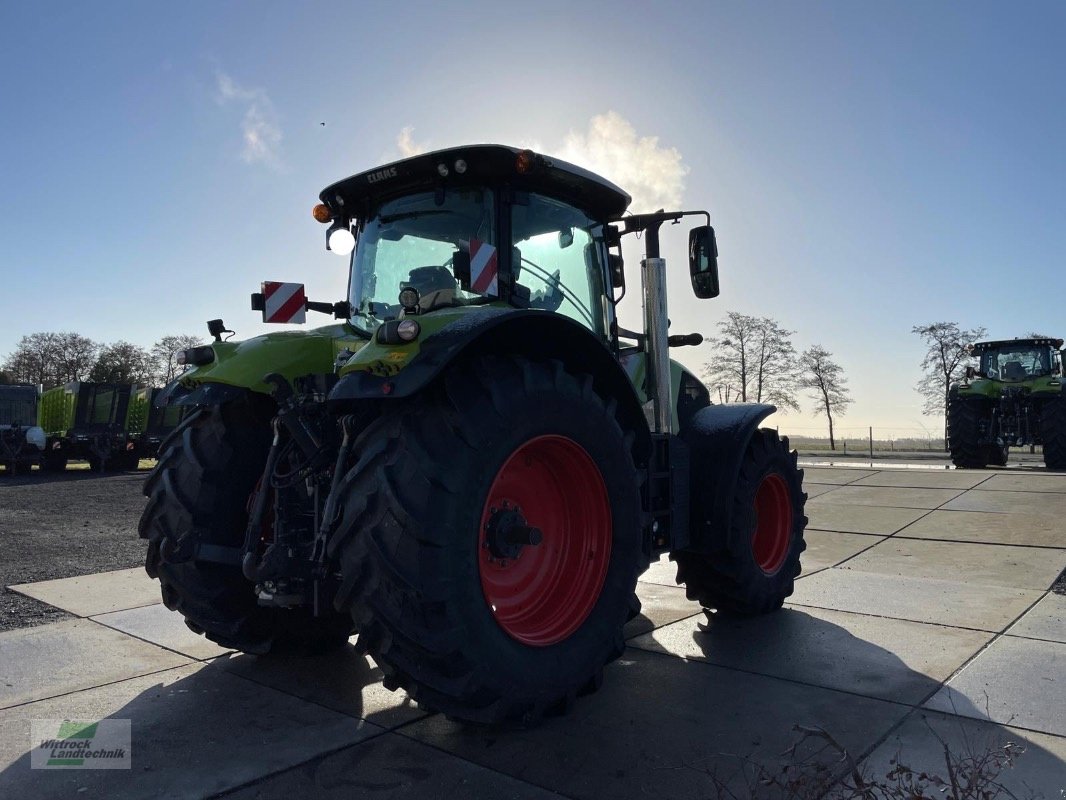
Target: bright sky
868, 167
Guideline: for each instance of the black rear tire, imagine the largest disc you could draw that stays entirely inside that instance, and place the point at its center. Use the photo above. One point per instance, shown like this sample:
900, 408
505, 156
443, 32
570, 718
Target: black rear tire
198, 493
753, 568
964, 429
414, 564
1053, 431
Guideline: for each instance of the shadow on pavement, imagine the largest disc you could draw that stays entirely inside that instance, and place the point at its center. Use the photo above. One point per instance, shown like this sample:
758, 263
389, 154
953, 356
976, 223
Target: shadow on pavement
662, 725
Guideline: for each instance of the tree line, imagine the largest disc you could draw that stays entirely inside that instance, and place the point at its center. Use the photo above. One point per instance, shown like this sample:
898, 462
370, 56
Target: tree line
755, 361
53, 359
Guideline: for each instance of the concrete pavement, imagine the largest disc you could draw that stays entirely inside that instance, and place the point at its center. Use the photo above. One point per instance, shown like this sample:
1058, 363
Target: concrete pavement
923, 616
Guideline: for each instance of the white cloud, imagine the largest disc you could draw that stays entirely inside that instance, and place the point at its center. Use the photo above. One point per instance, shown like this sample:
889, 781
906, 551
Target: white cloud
260, 130
653, 175
406, 144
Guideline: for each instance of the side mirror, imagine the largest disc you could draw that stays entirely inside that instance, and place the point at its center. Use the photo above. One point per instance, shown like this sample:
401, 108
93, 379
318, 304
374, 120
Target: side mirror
970, 372
703, 261
618, 272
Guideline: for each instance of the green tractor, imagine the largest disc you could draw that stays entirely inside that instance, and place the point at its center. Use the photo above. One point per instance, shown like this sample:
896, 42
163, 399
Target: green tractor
472, 468
1015, 397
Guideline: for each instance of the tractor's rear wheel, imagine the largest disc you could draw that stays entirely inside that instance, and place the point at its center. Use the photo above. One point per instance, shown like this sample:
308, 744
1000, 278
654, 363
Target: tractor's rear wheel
964, 428
1053, 431
490, 541
198, 494
753, 568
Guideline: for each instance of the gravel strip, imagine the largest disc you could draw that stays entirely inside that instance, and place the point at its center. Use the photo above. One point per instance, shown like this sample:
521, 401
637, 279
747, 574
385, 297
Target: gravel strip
60, 526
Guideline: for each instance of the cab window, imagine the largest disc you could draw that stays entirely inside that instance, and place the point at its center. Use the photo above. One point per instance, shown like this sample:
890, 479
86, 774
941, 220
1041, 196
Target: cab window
557, 257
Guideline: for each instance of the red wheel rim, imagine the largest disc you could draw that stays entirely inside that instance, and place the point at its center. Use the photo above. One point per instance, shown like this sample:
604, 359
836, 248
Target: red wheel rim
544, 594
773, 524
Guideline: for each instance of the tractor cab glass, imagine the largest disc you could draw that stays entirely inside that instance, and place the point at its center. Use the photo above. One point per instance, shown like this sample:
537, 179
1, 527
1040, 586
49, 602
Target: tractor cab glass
1016, 364
557, 258
412, 242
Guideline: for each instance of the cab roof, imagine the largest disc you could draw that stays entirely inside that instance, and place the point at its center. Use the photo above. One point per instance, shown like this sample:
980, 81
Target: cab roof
486, 165
980, 347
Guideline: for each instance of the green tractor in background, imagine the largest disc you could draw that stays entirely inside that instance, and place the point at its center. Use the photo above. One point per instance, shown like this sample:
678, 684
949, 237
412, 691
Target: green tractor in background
474, 465
1015, 397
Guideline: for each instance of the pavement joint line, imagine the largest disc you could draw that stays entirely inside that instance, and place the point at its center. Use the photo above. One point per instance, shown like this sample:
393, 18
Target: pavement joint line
850, 533
450, 754
1032, 638
931, 510
971, 541
980, 650
919, 707
325, 754
860, 552
149, 641
793, 681
695, 613
99, 685
263, 685
900, 619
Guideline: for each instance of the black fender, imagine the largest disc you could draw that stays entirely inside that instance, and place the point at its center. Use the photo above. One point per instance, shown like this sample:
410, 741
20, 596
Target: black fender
717, 438
535, 334
206, 394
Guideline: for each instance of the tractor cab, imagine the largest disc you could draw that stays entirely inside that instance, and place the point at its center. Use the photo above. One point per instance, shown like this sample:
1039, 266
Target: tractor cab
474, 226
1018, 360
479, 225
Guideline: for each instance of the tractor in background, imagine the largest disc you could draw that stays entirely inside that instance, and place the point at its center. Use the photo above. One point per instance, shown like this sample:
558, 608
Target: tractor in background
1014, 397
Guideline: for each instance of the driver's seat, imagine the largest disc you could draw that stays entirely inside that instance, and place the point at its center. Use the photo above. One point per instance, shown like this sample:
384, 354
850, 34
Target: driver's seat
1014, 371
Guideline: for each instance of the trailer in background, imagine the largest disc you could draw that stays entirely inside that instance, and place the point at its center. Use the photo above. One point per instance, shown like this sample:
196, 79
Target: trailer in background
89, 421
21, 440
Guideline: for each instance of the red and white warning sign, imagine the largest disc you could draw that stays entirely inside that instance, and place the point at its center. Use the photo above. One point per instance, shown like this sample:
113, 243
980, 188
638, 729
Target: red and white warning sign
284, 302
483, 268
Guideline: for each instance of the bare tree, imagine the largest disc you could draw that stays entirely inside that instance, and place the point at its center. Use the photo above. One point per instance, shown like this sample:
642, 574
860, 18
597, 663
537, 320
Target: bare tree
754, 360
947, 355
122, 362
829, 388
75, 357
164, 367
51, 358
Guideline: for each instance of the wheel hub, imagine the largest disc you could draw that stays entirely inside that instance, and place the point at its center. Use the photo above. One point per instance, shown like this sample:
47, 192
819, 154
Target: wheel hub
507, 532
544, 540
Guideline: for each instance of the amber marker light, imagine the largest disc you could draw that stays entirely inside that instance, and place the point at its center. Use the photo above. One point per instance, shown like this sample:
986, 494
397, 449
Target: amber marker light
524, 162
322, 213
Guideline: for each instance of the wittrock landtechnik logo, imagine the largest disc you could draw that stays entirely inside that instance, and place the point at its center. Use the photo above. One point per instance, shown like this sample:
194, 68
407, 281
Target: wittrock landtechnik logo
80, 744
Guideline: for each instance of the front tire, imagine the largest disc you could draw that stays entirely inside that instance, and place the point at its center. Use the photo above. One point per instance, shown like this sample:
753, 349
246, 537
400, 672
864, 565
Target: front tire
198, 494
456, 612
753, 567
